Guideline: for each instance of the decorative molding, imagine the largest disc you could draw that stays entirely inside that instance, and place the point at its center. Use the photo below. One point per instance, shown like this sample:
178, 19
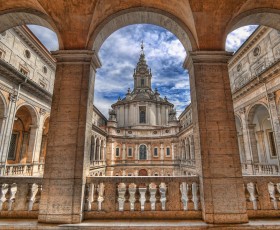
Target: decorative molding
77, 57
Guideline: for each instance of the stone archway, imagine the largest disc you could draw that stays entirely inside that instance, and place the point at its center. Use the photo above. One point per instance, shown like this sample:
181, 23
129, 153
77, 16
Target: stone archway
143, 172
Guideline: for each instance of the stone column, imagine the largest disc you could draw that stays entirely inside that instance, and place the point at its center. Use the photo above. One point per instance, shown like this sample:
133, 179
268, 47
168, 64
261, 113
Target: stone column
192, 148
172, 151
8, 128
246, 139
261, 146
123, 152
38, 142
187, 149
274, 118
68, 154
253, 142
216, 149
34, 128
161, 151
241, 147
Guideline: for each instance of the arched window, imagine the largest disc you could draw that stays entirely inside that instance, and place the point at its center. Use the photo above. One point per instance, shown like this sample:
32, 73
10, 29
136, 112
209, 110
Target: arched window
142, 114
142, 82
143, 152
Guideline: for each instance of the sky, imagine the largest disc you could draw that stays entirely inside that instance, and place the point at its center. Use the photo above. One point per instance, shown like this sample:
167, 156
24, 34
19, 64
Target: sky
164, 53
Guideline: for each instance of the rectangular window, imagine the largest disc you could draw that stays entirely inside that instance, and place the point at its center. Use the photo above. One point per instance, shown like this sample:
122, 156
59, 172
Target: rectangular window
155, 152
43, 85
117, 152
13, 147
168, 151
130, 152
142, 114
272, 144
23, 71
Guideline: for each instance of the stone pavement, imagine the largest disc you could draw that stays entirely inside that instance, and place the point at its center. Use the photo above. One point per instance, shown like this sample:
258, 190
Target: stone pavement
22, 224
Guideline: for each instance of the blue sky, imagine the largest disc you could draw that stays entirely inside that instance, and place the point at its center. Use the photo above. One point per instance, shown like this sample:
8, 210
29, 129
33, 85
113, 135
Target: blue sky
164, 54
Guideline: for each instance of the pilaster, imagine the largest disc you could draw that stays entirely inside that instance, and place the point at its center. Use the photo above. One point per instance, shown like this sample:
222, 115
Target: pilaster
215, 138
68, 150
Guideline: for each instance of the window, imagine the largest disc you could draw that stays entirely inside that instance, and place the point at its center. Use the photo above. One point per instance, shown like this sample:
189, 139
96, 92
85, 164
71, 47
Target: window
129, 174
13, 147
155, 152
130, 152
45, 69
156, 174
117, 152
27, 53
23, 71
168, 151
142, 114
142, 82
272, 144
42, 84
143, 152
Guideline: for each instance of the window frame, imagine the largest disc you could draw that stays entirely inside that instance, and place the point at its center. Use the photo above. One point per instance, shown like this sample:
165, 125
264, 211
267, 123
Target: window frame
167, 148
117, 152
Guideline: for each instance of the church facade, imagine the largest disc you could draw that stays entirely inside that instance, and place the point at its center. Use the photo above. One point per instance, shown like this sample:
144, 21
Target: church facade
144, 137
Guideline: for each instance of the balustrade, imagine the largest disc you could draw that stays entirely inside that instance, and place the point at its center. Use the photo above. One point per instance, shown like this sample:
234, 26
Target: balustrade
142, 197
20, 197
138, 197
263, 196
259, 169
21, 169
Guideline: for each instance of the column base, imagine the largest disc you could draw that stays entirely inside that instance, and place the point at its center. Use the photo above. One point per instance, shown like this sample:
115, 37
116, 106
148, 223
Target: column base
60, 219
226, 218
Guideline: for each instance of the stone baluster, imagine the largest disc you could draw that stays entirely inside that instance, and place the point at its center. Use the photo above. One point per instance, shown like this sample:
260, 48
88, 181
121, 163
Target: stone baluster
121, 196
195, 195
162, 191
89, 196
33, 189
3, 191
132, 191
100, 198
12, 195
142, 191
153, 190
271, 191
184, 195
251, 188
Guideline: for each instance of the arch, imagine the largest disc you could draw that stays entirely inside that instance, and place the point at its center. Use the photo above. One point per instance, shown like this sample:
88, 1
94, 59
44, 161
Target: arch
140, 15
252, 109
34, 113
92, 149
261, 16
97, 149
24, 16
142, 152
143, 172
23, 135
261, 135
44, 140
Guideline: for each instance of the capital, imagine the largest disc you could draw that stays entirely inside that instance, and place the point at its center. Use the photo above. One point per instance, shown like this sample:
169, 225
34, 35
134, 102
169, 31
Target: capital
271, 96
77, 57
207, 57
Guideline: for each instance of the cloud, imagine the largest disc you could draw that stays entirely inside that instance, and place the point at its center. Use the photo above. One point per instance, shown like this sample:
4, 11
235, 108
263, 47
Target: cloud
46, 36
164, 53
237, 37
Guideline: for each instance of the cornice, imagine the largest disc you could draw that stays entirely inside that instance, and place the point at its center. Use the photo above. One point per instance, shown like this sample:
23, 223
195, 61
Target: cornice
255, 37
10, 73
27, 36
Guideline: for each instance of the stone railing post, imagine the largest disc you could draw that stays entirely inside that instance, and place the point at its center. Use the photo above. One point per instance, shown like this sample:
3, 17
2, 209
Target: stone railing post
215, 138
68, 149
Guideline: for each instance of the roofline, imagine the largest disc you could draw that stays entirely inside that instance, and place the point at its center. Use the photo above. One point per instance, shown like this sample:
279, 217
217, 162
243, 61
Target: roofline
32, 35
99, 113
